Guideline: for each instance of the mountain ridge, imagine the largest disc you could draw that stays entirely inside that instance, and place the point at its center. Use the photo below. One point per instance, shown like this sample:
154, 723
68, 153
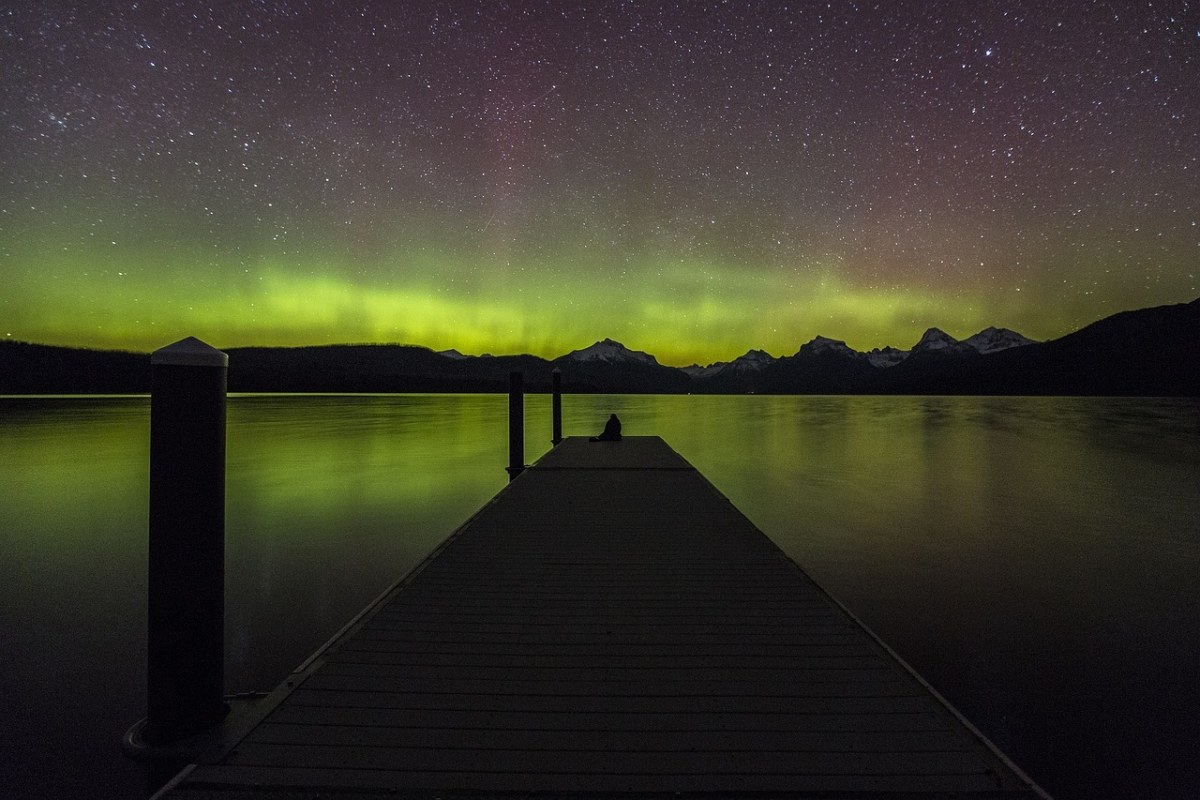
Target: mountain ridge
1139, 352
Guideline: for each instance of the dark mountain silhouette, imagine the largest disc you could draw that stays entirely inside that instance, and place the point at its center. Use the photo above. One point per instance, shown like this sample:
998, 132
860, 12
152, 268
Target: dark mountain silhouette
993, 340
609, 366
1146, 352
743, 374
822, 366
1152, 351
380, 368
333, 368
46, 369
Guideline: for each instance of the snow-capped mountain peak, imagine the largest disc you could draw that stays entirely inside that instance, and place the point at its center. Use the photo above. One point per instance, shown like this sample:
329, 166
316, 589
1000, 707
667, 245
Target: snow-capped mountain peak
754, 359
697, 371
452, 353
993, 340
612, 352
751, 361
886, 357
822, 344
711, 371
935, 339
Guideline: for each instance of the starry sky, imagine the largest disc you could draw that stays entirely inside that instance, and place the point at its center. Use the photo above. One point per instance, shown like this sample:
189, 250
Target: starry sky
692, 178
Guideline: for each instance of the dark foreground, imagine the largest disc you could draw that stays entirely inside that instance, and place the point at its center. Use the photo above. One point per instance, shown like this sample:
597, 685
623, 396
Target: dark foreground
608, 623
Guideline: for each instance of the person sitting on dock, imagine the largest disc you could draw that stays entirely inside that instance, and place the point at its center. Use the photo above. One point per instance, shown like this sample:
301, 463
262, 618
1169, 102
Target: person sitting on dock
612, 431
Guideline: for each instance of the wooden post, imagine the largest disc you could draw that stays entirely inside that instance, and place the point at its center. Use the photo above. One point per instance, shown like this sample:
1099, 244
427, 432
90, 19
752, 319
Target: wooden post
556, 405
186, 604
516, 424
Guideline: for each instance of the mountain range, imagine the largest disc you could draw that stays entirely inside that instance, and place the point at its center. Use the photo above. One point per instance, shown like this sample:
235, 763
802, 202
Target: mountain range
1150, 351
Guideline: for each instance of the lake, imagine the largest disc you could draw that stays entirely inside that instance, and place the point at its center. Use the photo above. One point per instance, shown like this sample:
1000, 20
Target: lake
1037, 560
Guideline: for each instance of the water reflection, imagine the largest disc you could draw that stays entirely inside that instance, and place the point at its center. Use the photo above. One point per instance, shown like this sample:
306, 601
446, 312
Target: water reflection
1035, 558
331, 498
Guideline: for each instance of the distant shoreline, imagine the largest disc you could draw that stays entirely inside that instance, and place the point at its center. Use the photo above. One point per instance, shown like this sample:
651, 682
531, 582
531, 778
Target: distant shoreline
1147, 352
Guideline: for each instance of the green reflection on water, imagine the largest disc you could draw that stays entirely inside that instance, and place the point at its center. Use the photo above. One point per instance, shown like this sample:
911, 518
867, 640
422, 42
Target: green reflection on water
1000, 544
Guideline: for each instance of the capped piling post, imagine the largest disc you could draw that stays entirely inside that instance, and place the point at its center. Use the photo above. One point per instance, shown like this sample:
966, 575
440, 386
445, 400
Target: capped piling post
186, 603
516, 424
556, 405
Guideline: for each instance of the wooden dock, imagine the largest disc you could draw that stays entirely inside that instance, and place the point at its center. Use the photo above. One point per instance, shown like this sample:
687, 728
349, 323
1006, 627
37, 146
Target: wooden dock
608, 624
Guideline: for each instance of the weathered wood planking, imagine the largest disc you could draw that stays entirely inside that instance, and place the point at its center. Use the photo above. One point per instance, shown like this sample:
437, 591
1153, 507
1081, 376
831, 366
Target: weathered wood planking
608, 624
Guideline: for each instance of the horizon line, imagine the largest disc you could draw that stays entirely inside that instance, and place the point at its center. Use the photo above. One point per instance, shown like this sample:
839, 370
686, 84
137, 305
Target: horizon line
118, 349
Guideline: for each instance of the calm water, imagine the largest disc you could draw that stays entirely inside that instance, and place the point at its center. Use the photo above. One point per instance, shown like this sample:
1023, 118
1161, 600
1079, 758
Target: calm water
1037, 560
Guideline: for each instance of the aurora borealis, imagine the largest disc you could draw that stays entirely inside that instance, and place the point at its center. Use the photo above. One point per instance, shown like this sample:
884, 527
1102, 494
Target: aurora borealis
692, 178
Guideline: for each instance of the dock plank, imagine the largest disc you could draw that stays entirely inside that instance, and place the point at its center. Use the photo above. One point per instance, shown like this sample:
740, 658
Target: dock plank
608, 624
306, 709
648, 741
274, 782
683, 759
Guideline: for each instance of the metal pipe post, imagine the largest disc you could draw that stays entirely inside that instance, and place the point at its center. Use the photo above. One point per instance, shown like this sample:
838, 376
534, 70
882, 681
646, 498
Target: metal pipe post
556, 405
186, 601
516, 424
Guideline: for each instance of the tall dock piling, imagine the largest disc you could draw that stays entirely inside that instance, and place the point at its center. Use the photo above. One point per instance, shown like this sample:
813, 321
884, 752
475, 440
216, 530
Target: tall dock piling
516, 424
185, 637
556, 405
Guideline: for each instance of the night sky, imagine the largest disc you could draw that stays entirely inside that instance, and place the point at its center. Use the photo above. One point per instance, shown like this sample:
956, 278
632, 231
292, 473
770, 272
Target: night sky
693, 178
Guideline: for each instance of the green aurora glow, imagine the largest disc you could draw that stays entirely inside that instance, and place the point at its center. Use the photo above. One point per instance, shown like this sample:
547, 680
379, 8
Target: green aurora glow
683, 311
542, 212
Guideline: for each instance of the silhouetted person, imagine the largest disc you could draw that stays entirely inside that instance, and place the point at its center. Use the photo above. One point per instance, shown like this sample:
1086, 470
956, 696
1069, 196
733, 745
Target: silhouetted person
612, 431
